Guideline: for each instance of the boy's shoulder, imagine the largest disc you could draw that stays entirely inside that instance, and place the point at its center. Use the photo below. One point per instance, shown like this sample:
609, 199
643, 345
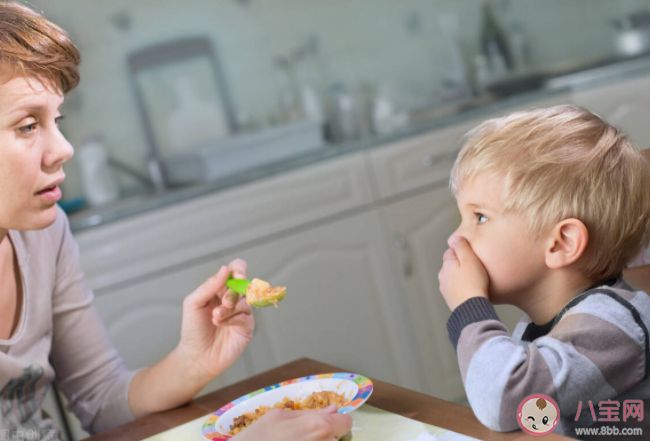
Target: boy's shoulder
610, 316
614, 301
606, 309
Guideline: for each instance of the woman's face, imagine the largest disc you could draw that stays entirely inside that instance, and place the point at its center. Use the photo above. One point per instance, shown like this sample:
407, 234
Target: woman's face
32, 152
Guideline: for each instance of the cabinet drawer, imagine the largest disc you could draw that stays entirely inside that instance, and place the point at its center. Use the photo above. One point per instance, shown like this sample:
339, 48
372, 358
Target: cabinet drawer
156, 241
418, 161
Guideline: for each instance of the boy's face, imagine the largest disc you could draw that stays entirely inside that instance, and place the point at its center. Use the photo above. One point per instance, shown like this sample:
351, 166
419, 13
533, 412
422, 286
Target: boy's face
513, 259
32, 152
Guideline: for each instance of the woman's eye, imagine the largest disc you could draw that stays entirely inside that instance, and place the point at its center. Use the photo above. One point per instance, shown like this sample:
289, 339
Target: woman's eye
26, 130
480, 218
58, 119
545, 420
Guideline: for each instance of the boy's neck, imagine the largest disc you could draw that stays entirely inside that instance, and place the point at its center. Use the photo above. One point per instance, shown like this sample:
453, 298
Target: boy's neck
546, 299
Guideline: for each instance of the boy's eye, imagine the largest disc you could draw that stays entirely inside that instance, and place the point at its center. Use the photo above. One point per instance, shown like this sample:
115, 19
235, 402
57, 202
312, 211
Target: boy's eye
480, 218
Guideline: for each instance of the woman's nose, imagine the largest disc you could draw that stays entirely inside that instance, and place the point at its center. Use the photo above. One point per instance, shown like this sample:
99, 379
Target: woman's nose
58, 151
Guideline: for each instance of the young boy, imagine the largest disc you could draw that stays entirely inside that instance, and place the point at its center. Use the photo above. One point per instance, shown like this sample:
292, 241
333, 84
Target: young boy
554, 203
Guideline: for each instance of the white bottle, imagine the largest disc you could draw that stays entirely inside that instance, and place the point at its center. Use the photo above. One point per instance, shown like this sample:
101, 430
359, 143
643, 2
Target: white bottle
99, 182
383, 113
311, 105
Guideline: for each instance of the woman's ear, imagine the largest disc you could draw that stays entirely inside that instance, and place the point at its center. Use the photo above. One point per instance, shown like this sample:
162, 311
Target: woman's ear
566, 243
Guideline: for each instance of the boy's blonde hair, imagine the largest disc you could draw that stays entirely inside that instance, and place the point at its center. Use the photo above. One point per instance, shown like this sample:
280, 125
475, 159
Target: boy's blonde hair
566, 162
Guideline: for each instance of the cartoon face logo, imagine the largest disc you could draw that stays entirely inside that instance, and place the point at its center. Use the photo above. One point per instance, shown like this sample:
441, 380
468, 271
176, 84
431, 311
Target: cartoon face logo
538, 415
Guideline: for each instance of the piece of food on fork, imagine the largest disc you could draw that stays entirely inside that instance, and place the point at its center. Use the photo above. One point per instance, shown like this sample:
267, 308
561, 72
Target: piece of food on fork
258, 292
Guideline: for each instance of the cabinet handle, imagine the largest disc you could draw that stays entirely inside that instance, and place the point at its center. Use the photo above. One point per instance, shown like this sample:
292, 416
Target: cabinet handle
432, 160
403, 245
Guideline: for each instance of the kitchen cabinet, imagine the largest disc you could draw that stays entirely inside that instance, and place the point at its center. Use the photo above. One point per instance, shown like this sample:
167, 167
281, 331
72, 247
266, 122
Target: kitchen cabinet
341, 307
418, 161
139, 248
427, 159
624, 103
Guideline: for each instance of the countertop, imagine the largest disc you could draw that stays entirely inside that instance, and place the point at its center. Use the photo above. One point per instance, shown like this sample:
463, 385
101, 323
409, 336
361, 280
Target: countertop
548, 84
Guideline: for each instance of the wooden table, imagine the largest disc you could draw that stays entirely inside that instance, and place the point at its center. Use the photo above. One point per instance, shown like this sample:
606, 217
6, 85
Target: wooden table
385, 396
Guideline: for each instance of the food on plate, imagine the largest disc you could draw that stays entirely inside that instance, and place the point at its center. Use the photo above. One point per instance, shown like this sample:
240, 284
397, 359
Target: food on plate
260, 294
317, 400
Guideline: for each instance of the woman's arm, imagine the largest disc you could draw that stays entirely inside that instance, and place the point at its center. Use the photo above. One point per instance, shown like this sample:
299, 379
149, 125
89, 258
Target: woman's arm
101, 390
217, 326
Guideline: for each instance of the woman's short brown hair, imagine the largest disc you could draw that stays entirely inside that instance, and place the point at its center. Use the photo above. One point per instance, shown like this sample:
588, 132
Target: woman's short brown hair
37, 48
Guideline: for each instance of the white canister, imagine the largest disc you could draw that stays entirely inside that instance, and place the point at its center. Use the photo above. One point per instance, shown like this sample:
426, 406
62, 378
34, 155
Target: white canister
99, 182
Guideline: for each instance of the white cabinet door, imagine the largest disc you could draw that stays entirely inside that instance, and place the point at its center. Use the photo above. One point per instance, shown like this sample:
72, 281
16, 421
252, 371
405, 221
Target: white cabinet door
625, 103
419, 228
341, 307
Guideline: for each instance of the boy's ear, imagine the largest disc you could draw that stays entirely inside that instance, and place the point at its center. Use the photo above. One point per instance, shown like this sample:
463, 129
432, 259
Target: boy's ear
566, 243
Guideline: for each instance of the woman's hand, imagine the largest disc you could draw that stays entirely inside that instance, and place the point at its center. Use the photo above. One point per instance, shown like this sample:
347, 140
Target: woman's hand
217, 323
298, 425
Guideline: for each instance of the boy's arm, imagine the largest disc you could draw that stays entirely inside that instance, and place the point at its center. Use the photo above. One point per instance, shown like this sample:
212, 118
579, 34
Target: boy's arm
595, 352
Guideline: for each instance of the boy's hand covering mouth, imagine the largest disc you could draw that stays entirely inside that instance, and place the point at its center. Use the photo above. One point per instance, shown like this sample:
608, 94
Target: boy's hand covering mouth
462, 275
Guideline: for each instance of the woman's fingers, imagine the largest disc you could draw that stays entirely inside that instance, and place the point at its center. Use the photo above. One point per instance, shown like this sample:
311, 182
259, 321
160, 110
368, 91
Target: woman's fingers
234, 320
208, 291
225, 311
300, 425
238, 268
229, 299
325, 423
341, 424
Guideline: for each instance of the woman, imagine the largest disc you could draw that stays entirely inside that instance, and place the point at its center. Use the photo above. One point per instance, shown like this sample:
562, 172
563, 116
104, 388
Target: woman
48, 325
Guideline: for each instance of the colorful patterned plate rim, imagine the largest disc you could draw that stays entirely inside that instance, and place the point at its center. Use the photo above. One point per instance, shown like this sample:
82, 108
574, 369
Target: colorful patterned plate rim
210, 429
